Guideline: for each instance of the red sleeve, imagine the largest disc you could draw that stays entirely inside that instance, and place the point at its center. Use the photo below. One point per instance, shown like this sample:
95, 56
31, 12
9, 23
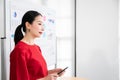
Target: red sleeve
18, 65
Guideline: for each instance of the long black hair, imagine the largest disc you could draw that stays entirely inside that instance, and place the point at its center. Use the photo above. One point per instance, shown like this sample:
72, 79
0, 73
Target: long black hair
29, 16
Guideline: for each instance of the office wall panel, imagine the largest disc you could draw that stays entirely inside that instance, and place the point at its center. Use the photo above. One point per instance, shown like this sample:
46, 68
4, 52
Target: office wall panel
97, 39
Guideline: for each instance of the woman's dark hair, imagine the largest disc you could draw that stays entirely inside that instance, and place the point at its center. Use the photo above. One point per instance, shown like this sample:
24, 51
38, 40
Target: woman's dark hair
29, 16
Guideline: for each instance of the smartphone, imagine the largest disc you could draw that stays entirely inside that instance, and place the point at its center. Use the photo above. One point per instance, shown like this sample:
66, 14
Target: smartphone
62, 70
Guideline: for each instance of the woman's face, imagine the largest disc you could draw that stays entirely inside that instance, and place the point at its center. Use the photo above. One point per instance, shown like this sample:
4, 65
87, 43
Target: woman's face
36, 28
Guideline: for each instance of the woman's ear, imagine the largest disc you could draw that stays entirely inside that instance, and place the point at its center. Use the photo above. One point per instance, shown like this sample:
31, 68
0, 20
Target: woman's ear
28, 25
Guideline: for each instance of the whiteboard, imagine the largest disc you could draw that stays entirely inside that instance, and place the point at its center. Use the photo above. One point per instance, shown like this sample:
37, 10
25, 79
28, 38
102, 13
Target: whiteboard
47, 41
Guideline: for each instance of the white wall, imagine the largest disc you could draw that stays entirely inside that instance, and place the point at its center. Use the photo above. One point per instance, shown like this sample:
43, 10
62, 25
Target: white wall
97, 39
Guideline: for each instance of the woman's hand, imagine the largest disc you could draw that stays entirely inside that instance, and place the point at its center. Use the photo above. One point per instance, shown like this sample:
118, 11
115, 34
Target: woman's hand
57, 70
54, 70
49, 77
53, 74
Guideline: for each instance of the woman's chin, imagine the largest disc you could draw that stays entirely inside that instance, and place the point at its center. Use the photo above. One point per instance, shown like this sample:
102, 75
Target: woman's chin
39, 36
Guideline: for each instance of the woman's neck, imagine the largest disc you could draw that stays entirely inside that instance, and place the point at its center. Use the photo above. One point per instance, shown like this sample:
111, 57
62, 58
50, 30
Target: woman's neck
28, 39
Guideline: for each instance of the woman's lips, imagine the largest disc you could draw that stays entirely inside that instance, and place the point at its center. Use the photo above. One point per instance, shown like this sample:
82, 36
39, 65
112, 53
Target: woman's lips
40, 32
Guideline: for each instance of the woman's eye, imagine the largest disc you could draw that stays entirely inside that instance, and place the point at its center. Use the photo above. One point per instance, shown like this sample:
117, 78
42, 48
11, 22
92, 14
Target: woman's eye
39, 24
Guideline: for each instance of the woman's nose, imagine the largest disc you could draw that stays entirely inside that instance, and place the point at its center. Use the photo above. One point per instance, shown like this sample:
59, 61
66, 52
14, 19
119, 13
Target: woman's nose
42, 28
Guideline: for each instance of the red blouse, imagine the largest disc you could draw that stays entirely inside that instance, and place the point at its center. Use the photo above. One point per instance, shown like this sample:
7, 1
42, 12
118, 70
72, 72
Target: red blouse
27, 62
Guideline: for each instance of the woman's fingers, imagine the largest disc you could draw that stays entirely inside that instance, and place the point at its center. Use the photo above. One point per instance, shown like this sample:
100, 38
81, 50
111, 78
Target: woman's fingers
54, 76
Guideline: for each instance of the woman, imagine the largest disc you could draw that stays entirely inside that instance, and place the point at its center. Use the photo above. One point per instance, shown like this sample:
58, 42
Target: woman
26, 60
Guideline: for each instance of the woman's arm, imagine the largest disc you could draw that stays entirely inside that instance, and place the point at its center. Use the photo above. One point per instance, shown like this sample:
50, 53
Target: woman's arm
18, 66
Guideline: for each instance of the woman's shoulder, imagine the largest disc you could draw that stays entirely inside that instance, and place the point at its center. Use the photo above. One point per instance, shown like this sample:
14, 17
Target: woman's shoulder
20, 49
20, 46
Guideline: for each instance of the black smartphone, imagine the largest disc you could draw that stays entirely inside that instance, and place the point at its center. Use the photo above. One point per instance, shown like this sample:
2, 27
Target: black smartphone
62, 70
